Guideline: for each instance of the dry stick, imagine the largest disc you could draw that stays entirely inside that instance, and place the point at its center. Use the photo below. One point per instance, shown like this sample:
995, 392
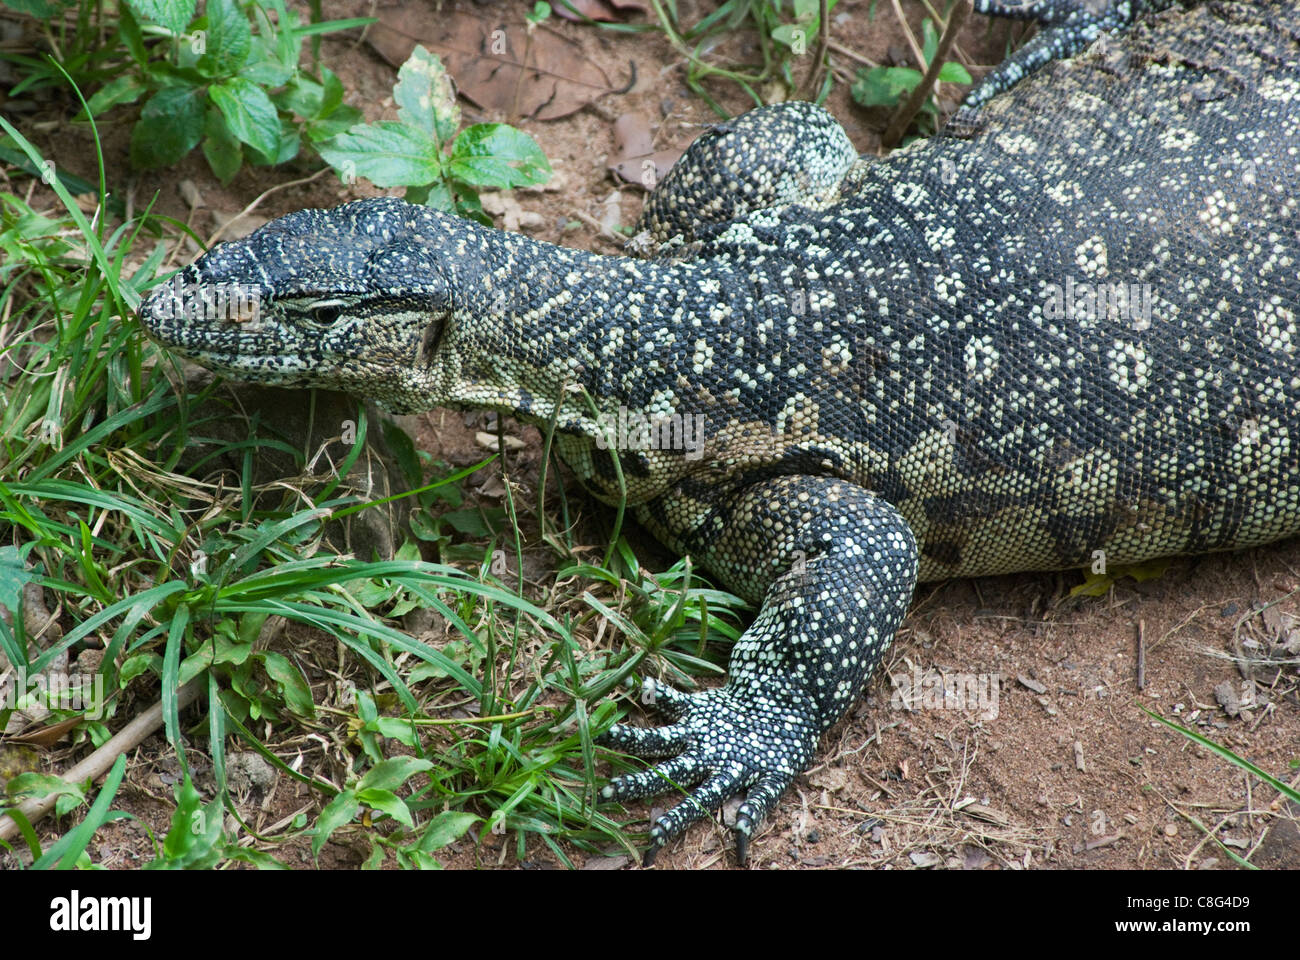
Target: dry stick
1142, 655
909, 36
99, 762
260, 197
837, 47
922, 90
823, 40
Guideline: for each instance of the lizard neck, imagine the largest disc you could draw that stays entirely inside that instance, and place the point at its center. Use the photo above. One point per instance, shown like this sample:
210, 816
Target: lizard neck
594, 344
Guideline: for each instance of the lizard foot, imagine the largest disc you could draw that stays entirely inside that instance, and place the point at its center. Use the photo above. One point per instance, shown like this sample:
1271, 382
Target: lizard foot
719, 743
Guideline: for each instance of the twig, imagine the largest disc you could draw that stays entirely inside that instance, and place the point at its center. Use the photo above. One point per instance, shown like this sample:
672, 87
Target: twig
823, 41
839, 48
260, 197
1142, 655
908, 110
910, 36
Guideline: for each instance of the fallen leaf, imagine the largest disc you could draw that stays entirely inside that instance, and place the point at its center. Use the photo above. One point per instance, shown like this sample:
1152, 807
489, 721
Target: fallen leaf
635, 159
500, 65
47, 736
606, 11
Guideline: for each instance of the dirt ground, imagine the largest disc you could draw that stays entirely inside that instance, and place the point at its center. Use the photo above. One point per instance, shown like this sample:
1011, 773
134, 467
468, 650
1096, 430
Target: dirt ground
1066, 771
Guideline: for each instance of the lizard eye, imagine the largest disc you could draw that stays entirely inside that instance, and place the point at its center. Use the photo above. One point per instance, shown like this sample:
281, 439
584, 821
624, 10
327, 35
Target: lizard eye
325, 312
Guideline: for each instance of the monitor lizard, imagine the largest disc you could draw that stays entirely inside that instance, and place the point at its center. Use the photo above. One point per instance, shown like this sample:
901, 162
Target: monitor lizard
1069, 333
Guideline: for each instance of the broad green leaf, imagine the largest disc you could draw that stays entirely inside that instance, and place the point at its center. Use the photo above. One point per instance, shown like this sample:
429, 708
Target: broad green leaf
468, 205
953, 72
387, 154
66, 803
389, 803
303, 96
929, 41
446, 827
222, 150
292, 684
286, 148
40, 9
127, 88
249, 114
497, 155
228, 40
403, 448
786, 34
420, 196
42, 785
175, 15
340, 121
884, 86
132, 38
398, 729
319, 104
425, 97
265, 67
13, 577
136, 665
333, 91
392, 773
170, 126
195, 838
337, 813
420, 860
469, 522
283, 41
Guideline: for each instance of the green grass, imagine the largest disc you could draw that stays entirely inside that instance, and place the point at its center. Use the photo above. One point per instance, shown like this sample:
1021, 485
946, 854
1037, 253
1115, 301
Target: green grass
1286, 790
488, 730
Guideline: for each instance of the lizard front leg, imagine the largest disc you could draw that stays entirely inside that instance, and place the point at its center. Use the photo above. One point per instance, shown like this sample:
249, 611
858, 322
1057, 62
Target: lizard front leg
835, 567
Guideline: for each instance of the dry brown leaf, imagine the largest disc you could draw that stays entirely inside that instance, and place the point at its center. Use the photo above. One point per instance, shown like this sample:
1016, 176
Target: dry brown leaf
607, 11
635, 159
498, 64
47, 736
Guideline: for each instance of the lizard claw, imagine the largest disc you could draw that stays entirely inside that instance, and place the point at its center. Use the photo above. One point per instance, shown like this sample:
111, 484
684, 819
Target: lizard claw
719, 744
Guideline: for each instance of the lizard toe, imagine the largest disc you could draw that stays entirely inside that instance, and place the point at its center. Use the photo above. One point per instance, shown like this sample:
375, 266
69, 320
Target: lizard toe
645, 743
683, 771
709, 796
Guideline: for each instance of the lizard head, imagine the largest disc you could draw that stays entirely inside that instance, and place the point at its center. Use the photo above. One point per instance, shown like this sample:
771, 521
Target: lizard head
355, 298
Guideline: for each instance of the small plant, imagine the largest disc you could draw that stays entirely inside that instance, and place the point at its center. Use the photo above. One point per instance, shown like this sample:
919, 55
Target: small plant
422, 151
230, 80
787, 33
888, 86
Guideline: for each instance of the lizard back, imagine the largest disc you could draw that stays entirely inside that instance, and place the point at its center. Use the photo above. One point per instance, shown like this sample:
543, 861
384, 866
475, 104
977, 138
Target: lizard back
1074, 332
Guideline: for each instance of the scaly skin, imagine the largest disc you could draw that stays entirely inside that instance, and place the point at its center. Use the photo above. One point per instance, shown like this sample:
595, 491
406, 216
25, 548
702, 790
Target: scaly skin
896, 365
